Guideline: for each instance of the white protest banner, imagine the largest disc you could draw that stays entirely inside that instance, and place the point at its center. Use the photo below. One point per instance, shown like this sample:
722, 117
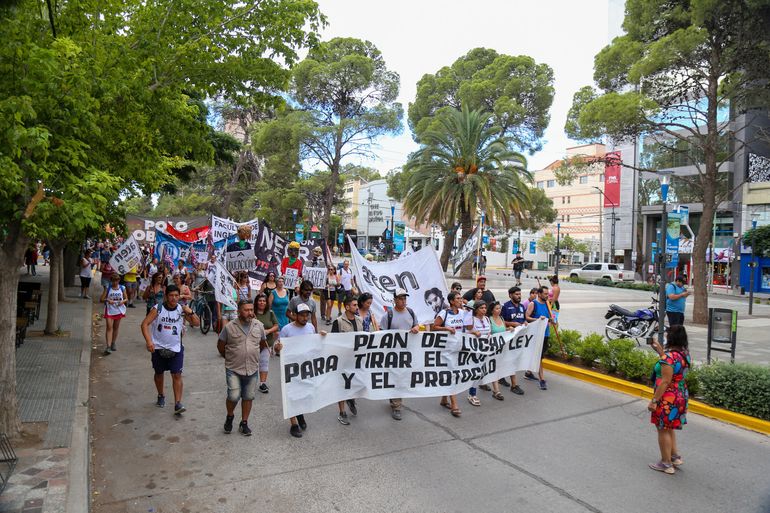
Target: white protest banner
291, 278
127, 256
465, 252
223, 283
222, 228
315, 274
419, 274
317, 370
237, 261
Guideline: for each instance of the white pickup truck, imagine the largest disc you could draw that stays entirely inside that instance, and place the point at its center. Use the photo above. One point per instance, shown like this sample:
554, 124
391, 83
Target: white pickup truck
591, 272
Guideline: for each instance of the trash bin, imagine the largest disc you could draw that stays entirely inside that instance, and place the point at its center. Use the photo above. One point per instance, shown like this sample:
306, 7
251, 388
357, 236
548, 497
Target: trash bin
542, 266
722, 330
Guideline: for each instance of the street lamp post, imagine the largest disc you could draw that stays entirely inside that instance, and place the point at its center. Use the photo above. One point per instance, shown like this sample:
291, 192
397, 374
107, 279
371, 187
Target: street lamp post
368, 216
294, 225
752, 266
392, 227
558, 251
612, 236
664, 182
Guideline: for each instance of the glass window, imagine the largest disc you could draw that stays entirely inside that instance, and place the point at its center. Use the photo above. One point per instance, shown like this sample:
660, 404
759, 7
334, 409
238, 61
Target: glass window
584, 179
562, 200
540, 185
551, 183
569, 200
601, 177
614, 267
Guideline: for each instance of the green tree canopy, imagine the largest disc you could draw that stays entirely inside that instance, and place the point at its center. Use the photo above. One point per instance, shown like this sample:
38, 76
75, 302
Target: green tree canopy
679, 66
516, 90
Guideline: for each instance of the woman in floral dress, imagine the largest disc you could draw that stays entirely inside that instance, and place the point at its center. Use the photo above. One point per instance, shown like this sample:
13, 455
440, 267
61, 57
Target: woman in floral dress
669, 402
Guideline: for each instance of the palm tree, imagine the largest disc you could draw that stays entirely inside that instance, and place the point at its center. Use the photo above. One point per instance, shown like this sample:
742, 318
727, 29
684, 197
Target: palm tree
465, 166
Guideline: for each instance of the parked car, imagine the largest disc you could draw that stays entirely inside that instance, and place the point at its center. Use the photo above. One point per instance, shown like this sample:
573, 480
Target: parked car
591, 272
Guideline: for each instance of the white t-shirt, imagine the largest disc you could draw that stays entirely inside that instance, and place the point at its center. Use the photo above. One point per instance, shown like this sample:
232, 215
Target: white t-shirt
292, 330
85, 271
458, 320
167, 328
482, 325
115, 295
346, 279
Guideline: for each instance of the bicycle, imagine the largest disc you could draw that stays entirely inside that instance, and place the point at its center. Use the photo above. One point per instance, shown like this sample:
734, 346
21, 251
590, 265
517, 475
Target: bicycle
200, 305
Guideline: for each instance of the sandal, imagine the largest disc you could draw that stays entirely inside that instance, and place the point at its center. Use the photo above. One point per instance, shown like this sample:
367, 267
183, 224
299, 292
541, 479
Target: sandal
456, 412
498, 396
474, 400
445, 404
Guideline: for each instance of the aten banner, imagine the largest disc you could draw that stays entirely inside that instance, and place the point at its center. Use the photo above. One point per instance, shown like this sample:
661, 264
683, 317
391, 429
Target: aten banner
319, 370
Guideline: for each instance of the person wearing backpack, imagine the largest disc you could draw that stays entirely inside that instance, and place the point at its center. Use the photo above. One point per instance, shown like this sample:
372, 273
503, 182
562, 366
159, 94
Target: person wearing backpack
453, 320
401, 317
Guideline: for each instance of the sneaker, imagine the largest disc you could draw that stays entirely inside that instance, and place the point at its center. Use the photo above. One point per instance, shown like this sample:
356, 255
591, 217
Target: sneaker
107, 351
485, 387
352, 406
179, 409
295, 431
343, 418
543, 385
114, 347
264, 388
504, 382
528, 375
516, 389
229, 424
396, 414
301, 422
244, 428
161, 402
676, 460
131, 305
666, 468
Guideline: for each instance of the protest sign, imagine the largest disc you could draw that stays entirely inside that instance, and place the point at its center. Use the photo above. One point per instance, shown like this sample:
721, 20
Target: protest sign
419, 274
291, 278
223, 283
127, 257
170, 250
222, 228
315, 274
465, 252
237, 261
317, 370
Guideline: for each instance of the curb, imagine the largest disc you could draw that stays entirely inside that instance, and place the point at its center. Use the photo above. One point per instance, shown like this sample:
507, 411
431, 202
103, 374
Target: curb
78, 491
645, 392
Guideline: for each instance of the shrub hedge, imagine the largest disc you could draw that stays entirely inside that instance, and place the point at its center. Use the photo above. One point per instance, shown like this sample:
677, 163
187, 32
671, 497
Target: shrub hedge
740, 387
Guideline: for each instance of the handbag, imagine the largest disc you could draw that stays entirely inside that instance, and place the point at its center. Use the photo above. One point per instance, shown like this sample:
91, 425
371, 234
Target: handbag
165, 353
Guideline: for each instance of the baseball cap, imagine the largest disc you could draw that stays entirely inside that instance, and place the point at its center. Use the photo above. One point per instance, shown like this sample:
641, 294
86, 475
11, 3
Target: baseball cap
294, 244
302, 307
481, 277
400, 292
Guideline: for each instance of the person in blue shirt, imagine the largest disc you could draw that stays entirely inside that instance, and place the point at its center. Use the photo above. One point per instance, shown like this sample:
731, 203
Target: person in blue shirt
676, 296
513, 314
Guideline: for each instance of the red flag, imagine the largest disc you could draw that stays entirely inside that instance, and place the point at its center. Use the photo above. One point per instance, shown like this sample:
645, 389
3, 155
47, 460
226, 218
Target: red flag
193, 235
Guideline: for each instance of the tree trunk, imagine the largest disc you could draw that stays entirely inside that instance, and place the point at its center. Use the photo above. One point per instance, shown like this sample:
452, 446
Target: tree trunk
466, 222
11, 253
331, 188
60, 264
446, 251
54, 279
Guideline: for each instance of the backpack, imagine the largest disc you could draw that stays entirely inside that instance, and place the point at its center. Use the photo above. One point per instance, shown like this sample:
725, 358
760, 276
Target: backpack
390, 316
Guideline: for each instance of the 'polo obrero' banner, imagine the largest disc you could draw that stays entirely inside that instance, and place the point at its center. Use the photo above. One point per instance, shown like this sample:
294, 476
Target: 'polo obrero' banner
318, 370
419, 274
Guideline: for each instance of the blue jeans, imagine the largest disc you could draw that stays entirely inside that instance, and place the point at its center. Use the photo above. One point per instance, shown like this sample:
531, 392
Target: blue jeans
240, 387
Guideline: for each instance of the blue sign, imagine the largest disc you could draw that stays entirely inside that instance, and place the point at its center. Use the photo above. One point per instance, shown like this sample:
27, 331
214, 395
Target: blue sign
485, 239
340, 238
654, 251
673, 230
532, 247
515, 247
299, 232
168, 249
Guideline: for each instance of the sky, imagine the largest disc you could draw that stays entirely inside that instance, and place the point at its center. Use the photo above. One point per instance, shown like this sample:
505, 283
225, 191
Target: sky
421, 36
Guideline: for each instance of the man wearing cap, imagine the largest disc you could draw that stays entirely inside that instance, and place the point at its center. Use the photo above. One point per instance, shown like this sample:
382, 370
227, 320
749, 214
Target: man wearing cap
240, 342
481, 283
676, 297
305, 298
401, 317
299, 327
293, 262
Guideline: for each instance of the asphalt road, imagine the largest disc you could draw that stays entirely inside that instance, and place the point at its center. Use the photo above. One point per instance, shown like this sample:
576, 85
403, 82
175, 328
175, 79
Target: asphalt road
575, 447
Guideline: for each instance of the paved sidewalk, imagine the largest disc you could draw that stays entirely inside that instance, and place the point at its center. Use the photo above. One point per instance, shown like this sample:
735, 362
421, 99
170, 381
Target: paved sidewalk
48, 378
573, 448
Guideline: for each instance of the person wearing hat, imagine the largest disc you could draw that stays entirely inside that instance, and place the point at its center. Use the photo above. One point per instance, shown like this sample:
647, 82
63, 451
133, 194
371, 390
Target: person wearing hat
676, 297
481, 284
297, 328
292, 261
401, 317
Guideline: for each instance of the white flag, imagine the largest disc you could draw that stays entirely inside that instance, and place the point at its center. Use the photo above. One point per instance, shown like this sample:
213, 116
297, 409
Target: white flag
127, 257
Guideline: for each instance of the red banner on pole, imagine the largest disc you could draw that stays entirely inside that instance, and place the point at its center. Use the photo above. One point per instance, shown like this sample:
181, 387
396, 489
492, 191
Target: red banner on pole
193, 235
612, 180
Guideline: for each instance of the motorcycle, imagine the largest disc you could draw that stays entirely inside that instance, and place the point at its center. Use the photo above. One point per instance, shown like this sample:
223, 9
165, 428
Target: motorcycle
623, 323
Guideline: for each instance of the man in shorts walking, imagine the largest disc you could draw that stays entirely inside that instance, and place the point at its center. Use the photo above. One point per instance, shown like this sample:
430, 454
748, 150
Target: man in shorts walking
240, 342
399, 318
162, 331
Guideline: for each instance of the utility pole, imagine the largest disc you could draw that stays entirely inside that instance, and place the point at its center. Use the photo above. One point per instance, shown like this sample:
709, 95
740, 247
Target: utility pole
558, 251
612, 240
664, 183
601, 228
752, 265
368, 210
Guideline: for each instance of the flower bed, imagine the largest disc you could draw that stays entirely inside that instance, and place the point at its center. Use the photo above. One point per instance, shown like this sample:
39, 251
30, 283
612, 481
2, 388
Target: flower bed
741, 388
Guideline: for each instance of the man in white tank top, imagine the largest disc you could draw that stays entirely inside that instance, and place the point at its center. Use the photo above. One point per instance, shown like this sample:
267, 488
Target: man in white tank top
162, 331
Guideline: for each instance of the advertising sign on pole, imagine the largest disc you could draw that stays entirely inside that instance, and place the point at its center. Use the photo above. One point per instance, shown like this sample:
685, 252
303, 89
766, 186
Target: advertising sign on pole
673, 230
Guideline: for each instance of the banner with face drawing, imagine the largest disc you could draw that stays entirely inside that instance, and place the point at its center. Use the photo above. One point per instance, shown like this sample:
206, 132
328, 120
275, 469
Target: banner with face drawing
419, 274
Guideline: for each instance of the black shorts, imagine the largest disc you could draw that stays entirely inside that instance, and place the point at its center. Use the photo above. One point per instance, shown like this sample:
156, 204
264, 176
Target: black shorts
328, 295
545, 348
173, 365
85, 282
675, 318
